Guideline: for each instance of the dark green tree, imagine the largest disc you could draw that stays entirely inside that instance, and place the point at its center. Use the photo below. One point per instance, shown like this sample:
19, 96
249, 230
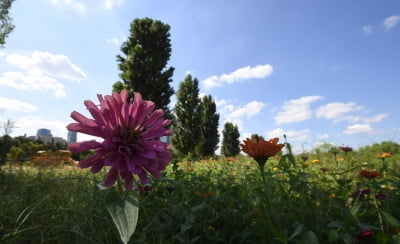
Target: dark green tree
209, 126
230, 142
6, 142
143, 62
6, 26
257, 137
188, 116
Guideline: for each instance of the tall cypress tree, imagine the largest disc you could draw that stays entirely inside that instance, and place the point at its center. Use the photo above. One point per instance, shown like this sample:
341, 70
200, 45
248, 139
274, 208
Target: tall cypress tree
187, 123
210, 119
230, 142
6, 26
144, 60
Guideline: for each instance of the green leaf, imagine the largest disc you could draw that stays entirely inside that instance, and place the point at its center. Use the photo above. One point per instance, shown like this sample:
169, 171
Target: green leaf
392, 221
310, 238
124, 213
298, 228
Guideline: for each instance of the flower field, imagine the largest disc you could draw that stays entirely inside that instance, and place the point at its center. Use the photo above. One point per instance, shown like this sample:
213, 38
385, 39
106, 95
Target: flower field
325, 197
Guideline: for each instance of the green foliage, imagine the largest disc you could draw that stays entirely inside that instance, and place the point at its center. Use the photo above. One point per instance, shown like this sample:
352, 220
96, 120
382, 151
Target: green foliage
209, 122
124, 211
187, 125
257, 137
230, 142
6, 26
213, 201
143, 62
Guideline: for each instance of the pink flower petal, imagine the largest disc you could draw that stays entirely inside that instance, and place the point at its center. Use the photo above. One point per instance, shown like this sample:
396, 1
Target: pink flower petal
111, 177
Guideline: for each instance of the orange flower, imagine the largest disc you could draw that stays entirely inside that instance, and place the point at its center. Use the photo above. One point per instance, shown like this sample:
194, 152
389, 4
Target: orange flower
385, 155
261, 150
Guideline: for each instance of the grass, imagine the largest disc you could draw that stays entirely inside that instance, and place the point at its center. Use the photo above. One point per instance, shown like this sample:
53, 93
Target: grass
212, 201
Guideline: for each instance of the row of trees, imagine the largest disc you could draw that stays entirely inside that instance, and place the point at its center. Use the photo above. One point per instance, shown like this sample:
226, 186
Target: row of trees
22, 148
143, 65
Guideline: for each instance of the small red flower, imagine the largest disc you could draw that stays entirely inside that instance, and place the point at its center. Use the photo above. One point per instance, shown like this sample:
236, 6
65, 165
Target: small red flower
304, 157
369, 174
365, 234
346, 149
380, 196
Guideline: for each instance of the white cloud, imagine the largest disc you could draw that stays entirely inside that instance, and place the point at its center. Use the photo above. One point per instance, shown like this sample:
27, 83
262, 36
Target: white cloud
339, 111
235, 114
2, 54
30, 124
245, 73
248, 110
109, 4
296, 110
322, 136
116, 41
77, 6
33, 83
375, 119
358, 128
40, 63
291, 135
16, 105
367, 29
391, 22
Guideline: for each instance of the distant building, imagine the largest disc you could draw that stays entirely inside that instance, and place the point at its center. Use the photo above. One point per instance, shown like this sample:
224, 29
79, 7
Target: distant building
43, 132
71, 137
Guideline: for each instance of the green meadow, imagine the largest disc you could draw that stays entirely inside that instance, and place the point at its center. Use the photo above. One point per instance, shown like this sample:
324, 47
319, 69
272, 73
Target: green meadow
321, 197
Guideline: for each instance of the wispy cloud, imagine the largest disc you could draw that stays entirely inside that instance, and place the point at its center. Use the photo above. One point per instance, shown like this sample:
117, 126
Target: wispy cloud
77, 6
245, 73
30, 125
339, 111
391, 22
375, 119
40, 63
32, 83
358, 129
110, 4
296, 110
292, 135
236, 114
116, 41
367, 29
16, 105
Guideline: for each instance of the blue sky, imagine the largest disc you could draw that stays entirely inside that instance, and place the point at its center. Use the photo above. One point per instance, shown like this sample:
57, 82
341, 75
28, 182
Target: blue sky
317, 71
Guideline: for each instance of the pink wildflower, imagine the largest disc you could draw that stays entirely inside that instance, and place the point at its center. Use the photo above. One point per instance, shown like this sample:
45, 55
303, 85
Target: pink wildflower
131, 132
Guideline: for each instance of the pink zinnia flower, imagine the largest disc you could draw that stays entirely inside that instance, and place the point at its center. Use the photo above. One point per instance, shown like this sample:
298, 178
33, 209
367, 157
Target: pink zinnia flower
131, 132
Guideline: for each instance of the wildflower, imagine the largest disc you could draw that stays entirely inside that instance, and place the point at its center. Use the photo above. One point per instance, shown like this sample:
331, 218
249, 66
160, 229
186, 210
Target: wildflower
369, 174
380, 196
304, 157
131, 132
385, 155
315, 161
208, 194
366, 234
210, 227
275, 169
332, 195
323, 169
341, 159
260, 149
346, 149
